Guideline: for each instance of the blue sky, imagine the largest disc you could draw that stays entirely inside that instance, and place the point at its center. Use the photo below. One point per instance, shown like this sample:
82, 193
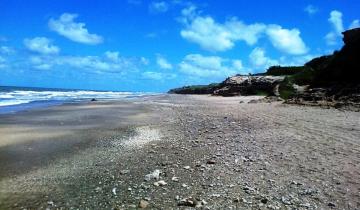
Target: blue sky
154, 45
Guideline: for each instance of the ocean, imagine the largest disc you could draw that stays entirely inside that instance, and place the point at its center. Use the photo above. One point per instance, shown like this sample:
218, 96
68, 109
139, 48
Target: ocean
13, 99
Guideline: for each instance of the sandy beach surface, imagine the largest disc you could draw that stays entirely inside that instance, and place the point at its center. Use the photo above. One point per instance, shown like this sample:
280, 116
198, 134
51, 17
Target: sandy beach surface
179, 152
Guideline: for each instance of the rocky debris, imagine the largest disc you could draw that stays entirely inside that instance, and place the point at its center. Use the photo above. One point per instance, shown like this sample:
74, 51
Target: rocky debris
249, 85
143, 204
237, 164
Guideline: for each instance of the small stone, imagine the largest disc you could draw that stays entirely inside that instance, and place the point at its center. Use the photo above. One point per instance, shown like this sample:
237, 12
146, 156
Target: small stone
211, 162
154, 175
264, 200
285, 201
175, 179
188, 202
114, 190
143, 204
122, 172
160, 183
330, 204
187, 167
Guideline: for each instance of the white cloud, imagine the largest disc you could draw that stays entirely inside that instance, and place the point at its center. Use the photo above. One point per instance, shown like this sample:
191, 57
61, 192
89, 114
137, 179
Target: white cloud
311, 10
74, 31
41, 45
355, 24
144, 61
113, 56
158, 7
163, 63
2, 62
210, 66
288, 41
6, 50
259, 60
152, 75
110, 62
214, 36
336, 22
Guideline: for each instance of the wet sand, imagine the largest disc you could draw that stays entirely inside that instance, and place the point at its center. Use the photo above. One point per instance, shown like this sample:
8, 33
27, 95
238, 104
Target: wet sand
225, 154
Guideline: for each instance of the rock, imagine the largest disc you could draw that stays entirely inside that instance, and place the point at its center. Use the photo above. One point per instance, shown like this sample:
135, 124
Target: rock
154, 175
160, 183
143, 204
93, 99
187, 167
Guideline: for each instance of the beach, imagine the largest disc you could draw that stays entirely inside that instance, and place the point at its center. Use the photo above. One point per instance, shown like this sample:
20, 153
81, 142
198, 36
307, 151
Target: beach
179, 151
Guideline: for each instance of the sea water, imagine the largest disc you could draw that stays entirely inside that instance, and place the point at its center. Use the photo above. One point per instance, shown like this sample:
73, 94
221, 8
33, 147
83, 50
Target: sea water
13, 99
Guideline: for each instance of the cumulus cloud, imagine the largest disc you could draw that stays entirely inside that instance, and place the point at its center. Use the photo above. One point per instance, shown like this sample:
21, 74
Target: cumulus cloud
336, 22
41, 45
259, 60
163, 63
354, 24
214, 36
288, 41
210, 66
158, 7
67, 27
311, 10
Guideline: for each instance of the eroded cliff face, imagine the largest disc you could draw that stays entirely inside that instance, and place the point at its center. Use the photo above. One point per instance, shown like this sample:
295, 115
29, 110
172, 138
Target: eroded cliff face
249, 85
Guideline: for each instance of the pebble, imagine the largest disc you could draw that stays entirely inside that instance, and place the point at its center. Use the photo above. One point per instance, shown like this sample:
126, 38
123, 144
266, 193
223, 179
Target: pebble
160, 183
114, 190
211, 162
143, 204
154, 175
330, 204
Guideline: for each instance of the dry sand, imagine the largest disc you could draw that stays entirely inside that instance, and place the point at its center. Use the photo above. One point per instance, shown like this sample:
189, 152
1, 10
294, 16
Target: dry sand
212, 153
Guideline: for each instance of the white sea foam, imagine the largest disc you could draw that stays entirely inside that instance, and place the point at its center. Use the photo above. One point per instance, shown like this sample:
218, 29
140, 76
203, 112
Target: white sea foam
17, 97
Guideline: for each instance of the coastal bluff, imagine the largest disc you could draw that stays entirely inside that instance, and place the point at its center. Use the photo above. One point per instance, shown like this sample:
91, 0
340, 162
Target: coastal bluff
330, 80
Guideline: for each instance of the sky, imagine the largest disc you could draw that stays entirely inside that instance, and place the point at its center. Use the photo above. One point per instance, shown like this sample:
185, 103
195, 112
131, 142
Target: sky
155, 45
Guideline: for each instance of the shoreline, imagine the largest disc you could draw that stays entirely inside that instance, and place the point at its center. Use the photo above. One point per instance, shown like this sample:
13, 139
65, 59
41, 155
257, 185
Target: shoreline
211, 152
